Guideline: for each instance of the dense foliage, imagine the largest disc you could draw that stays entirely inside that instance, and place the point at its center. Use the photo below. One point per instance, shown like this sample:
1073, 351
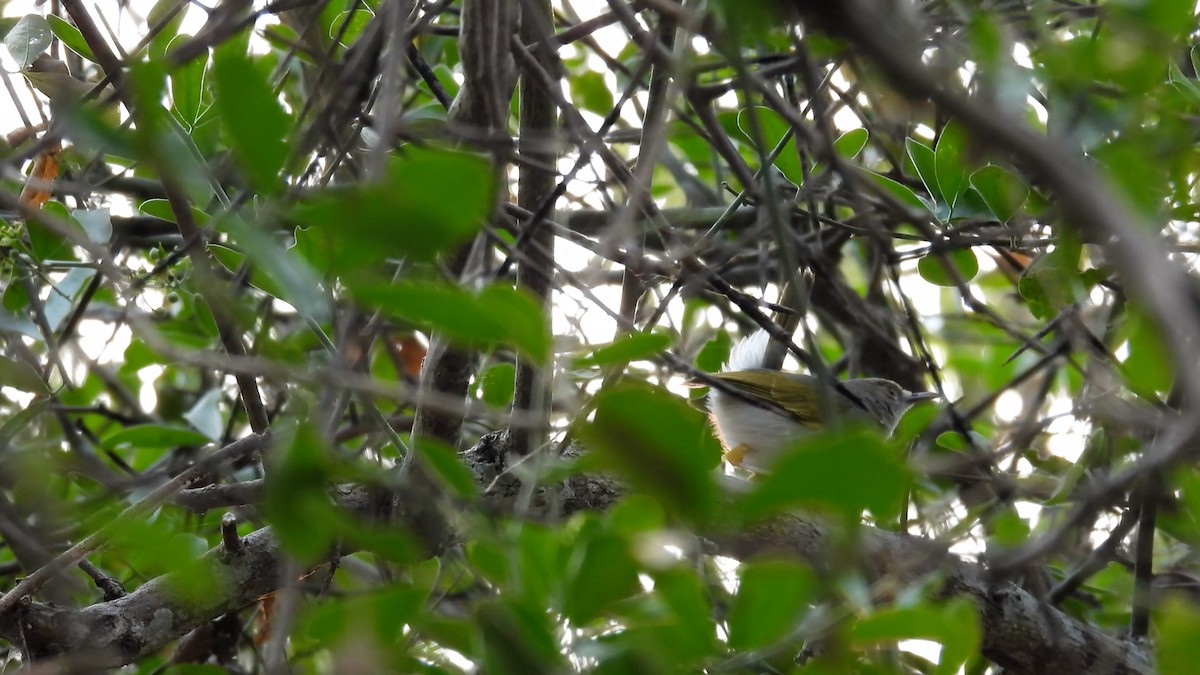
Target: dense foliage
353, 335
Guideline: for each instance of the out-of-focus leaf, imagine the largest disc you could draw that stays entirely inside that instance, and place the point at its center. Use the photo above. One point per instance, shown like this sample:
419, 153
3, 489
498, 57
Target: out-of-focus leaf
278, 271
660, 444
690, 630
844, 471
28, 39
347, 26
205, 415
48, 244
20, 375
1052, 281
592, 92
255, 121
20, 325
848, 145
429, 201
1148, 368
496, 315
63, 294
774, 128
601, 571
933, 267
96, 222
1175, 644
1002, 191
900, 191
954, 625
950, 157
15, 424
632, 347
715, 352
922, 159
296, 503
161, 208
772, 595
446, 464
70, 36
517, 639
187, 89
154, 436
498, 384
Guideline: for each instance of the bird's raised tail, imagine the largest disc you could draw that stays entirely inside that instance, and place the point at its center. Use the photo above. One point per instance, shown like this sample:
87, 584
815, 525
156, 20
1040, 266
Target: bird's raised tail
749, 352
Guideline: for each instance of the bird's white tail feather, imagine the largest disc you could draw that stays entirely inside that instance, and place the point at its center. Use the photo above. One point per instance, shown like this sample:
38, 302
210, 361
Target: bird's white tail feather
749, 352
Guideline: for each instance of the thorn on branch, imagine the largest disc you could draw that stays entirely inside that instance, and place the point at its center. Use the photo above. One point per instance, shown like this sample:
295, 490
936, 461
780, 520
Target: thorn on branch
229, 534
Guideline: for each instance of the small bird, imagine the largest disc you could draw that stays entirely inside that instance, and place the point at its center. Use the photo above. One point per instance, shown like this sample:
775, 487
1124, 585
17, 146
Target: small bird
775, 407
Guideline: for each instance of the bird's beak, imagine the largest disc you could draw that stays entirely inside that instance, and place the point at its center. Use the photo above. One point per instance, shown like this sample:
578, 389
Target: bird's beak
915, 396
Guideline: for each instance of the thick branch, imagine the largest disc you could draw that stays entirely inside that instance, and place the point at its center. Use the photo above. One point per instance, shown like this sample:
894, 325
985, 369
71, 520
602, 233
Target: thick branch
1020, 632
535, 184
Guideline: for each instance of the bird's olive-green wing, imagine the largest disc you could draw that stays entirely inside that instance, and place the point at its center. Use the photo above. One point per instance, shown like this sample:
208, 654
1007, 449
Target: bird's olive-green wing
779, 392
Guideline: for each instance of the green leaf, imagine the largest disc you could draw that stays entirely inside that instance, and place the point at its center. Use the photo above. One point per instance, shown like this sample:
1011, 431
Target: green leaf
205, 415
498, 384
691, 631
923, 162
1175, 645
276, 270
1053, 281
516, 639
771, 598
954, 625
852, 142
932, 268
146, 82
715, 352
153, 436
16, 296
168, 29
539, 562
445, 463
496, 315
1147, 368
97, 223
252, 116
187, 89
70, 36
45, 243
950, 157
774, 128
900, 191
157, 547
1007, 529
600, 572
845, 471
661, 445
430, 201
848, 145
631, 347
161, 208
1003, 192
18, 421
28, 39
296, 503
22, 376
592, 92
347, 26
1164, 19
19, 325
61, 302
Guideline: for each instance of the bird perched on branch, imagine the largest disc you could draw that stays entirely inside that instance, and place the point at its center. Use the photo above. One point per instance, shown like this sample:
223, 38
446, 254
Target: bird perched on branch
763, 410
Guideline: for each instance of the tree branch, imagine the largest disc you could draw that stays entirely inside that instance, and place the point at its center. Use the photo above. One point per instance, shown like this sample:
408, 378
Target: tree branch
1020, 632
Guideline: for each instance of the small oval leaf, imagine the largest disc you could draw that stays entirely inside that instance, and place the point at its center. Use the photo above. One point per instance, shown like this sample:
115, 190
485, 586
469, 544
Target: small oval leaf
933, 267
